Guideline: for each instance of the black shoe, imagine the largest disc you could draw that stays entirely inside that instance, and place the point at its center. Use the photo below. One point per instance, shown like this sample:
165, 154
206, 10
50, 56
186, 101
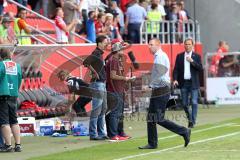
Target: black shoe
18, 148
190, 125
7, 148
105, 137
147, 147
97, 138
187, 137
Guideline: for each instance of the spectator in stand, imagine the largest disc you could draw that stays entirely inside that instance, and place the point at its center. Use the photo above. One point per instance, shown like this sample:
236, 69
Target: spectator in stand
62, 30
111, 27
222, 49
7, 35
116, 85
71, 10
168, 9
183, 18
124, 4
135, 16
3, 3
22, 29
118, 12
90, 26
154, 18
42, 4
182, 7
22, 2
52, 5
107, 1
10, 82
99, 25
84, 10
143, 4
93, 5
173, 16
159, 7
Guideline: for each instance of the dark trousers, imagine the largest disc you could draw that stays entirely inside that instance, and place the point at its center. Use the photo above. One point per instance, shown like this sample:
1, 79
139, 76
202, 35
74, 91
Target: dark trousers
156, 115
1, 139
114, 120
134, 32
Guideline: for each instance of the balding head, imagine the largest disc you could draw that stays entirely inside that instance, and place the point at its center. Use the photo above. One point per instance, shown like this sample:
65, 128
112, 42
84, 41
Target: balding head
154, 45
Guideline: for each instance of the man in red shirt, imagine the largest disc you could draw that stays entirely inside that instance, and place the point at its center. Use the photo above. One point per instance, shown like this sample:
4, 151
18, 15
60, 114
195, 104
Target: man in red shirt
116, 86
123, 4
222, 48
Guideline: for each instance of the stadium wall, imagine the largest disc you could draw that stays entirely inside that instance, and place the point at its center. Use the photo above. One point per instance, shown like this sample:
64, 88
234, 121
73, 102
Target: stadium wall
219, 20
141, 52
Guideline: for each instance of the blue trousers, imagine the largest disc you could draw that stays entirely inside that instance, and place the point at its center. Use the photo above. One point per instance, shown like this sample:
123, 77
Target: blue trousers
116, 114
187, 90
99, 107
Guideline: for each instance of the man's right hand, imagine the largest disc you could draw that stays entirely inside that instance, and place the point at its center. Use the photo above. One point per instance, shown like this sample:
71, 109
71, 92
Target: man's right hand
175, 83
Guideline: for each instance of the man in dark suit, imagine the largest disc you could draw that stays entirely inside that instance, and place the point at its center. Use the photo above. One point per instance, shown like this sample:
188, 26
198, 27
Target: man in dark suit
186, 76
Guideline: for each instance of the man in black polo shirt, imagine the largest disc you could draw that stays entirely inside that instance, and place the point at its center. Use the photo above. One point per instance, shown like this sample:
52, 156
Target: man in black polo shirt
96, 64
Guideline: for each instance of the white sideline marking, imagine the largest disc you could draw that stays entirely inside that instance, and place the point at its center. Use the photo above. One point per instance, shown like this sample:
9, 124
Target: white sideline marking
197, 151
179, 146
235, 125
200, 130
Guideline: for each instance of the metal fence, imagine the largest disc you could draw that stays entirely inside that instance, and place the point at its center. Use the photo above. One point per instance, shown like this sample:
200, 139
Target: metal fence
169, 31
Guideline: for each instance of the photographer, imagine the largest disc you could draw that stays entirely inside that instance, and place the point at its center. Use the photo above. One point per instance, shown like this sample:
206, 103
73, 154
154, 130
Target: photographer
228, 66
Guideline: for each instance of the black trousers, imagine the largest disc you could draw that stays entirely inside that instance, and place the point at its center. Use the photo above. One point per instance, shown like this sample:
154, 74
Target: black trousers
156, 115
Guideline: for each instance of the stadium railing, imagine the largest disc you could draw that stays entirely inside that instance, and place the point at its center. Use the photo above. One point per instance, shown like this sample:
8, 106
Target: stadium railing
169, 31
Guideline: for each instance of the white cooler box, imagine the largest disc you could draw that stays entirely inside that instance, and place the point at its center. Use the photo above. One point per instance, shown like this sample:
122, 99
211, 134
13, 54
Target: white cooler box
27, 126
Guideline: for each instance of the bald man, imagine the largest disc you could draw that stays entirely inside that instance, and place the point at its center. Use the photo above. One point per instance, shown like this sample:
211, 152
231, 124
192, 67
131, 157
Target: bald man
160, 86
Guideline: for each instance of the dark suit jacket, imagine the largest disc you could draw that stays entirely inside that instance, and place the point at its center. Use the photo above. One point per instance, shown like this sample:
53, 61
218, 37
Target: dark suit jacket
195, 69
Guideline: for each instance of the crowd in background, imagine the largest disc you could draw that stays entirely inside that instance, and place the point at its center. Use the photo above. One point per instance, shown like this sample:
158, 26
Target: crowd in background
114, 18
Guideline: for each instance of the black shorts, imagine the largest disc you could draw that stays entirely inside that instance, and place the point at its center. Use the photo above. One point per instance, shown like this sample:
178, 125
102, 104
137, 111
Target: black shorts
8, 108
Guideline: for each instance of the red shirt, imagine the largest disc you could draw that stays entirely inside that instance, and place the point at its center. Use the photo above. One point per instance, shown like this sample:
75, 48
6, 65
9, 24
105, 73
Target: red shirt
115, 64
123, 4
216, 59
99, 27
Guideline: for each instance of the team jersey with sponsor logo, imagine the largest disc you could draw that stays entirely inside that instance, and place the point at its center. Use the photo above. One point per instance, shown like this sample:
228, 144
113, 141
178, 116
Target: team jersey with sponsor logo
75, 84
10, 78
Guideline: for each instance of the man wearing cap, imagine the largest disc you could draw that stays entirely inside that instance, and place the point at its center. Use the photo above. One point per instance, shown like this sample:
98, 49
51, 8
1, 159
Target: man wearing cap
115, 87
6, 31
